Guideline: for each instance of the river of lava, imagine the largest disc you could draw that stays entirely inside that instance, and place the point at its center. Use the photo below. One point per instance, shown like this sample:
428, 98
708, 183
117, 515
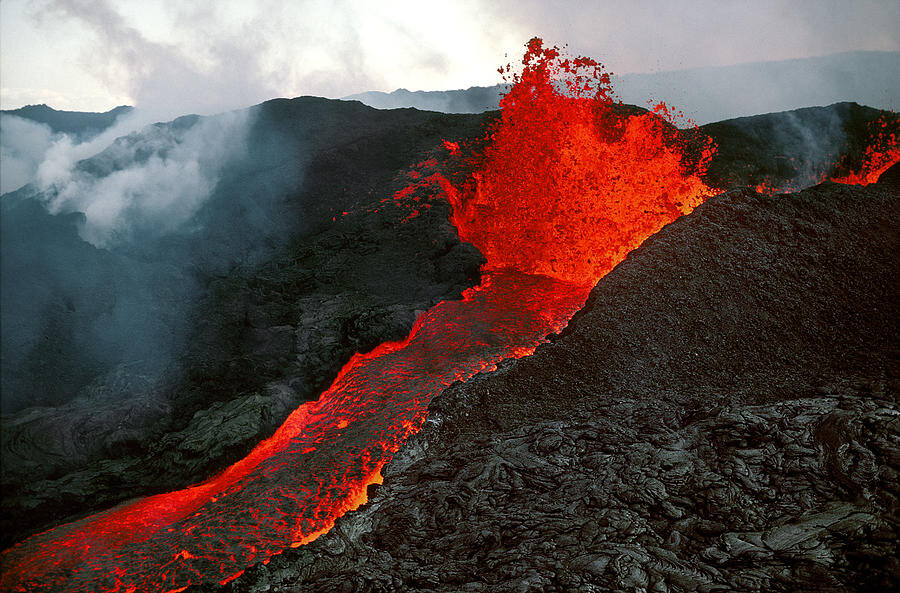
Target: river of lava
568, 184
317, 465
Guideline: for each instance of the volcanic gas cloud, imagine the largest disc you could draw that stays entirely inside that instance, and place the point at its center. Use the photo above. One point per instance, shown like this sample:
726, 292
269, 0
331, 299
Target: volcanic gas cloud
559, 190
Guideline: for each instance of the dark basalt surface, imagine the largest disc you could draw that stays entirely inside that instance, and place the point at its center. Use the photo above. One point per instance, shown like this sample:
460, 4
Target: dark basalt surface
280, 288
721, 416
794, 149
261, 307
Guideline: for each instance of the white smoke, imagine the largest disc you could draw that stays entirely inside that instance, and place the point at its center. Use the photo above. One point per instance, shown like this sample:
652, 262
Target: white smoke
148, 182
31, 151
23, 147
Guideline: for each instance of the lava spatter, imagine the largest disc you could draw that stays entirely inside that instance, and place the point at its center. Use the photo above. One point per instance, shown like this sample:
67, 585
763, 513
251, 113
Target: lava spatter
566, 184
570, 180
882, 152
856, 167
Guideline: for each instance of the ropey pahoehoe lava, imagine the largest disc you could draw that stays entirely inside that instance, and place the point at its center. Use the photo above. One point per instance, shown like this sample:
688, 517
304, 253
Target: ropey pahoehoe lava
559, 190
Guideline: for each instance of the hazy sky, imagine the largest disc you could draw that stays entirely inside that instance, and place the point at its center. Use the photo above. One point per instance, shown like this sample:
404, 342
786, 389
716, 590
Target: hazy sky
203, 56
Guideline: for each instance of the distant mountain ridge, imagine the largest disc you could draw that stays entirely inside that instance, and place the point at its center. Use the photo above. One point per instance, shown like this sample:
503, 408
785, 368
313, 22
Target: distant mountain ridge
706, 94
83, 125
712, 93
474, 99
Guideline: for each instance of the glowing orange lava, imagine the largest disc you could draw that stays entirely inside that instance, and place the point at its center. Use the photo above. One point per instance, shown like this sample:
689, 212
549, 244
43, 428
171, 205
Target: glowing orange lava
569, 182
316, 467
882, 152
567, 185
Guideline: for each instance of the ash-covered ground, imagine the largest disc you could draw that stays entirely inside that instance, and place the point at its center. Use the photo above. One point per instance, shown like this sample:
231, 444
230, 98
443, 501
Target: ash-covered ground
721, 416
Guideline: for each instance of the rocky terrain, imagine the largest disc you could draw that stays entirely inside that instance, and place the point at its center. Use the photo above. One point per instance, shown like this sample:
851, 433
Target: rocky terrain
751, 313
721, 416
794, 149
261, 307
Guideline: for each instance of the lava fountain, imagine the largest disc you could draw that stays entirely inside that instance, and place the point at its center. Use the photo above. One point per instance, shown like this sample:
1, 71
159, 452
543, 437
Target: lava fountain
571, 181
562, 187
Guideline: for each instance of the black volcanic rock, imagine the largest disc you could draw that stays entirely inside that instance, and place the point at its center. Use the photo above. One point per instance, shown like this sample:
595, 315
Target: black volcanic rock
793, 149
261, 299
271, 287
721, 416
891, 177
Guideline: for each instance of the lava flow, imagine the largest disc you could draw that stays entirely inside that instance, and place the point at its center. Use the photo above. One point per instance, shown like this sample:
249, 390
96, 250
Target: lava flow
567, 182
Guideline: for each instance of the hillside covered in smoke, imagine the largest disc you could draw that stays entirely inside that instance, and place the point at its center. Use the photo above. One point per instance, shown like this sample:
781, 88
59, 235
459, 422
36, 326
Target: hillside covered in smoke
134, 322
82, 125
33, 135
168, 301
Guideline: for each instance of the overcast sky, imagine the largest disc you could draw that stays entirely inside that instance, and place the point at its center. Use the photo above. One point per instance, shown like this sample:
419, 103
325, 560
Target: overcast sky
203, 56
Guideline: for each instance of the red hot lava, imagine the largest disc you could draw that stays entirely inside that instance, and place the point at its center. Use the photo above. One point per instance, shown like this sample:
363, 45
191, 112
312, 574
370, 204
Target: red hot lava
293, 486
882, 151
568, 184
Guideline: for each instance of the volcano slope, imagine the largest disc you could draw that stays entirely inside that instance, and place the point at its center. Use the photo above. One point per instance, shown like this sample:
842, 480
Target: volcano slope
80, 125
721, 416
291, 266
796, 149
264, 334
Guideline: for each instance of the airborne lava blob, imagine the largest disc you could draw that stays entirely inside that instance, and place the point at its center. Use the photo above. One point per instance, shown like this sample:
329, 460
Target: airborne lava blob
567, 182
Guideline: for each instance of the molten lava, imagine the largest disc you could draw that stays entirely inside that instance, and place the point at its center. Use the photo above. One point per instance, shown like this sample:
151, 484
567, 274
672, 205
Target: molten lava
882, 151
315, 468
567, 184
570, 182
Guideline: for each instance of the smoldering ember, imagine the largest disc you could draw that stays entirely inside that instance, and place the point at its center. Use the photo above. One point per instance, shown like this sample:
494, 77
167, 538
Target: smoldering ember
568, 345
